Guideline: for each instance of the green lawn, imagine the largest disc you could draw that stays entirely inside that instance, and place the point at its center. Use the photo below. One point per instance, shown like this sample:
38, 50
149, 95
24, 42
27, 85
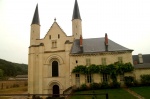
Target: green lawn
112, 94
143, 91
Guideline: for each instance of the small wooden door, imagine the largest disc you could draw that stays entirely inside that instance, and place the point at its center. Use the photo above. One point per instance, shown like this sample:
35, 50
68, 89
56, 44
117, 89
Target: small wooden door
55, 91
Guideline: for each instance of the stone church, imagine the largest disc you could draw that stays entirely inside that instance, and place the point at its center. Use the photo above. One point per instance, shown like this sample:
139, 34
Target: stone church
52, 58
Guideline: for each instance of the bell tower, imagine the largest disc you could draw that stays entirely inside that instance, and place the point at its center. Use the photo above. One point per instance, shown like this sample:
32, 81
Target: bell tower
35, 28
76, 22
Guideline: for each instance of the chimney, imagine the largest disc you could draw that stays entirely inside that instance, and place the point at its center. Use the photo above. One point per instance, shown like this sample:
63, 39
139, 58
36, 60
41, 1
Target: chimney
140, 58
106, 42
81, 40
81, 43
106, 39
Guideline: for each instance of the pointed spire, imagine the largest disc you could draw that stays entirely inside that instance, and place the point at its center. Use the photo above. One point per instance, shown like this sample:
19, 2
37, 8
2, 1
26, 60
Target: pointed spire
36, 19
76, 12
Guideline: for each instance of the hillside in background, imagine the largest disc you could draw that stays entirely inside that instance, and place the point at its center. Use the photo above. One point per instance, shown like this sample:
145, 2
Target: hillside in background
10, 69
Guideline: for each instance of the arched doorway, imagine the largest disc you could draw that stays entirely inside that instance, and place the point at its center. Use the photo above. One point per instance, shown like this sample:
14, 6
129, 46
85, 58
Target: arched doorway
54, 69
55, 91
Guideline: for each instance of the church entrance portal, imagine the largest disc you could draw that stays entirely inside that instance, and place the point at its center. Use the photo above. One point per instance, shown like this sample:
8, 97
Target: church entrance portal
55, 91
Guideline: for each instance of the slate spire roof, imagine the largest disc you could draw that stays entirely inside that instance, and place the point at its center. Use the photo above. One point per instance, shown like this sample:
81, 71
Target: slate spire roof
76, 12
36, 19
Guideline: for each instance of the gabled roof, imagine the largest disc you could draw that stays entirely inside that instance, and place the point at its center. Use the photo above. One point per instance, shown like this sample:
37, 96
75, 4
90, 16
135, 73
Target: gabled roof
58, 27
36, 19
96, 45
76, 12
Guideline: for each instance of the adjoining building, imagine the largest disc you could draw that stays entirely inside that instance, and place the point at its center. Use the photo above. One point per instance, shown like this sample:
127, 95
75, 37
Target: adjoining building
52, 58
21, 77
141, 65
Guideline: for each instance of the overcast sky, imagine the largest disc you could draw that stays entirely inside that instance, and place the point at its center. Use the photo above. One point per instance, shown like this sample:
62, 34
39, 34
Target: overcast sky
126, 22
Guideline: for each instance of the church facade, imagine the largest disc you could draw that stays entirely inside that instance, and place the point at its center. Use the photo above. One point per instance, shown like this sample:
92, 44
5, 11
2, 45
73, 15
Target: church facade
52, 58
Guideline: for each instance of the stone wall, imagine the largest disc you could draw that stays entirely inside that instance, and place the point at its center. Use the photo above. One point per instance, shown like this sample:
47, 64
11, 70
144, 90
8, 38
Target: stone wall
12, 83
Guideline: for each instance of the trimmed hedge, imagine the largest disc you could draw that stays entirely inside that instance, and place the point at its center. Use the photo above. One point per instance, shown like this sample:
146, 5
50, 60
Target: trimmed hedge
145, 80
131, 82
97, 86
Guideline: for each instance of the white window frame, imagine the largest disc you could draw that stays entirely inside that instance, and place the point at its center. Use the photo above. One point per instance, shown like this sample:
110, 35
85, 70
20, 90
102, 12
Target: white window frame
88, 61
103, 61
89, 78
120, 59
105, 77
77, 80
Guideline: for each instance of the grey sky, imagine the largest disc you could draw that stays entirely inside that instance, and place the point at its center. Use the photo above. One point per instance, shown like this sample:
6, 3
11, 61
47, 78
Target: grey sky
126, 22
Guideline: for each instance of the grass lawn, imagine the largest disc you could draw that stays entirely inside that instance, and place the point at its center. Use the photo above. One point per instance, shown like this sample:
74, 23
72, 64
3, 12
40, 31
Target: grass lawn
112, 94
143, 91
17, 90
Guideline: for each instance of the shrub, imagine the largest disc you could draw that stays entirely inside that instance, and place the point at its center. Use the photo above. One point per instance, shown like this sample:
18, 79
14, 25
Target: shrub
129, 81
145, 80
83, 87
54, 98
36, 97
115, 85
136, 83
94, 86
104, 85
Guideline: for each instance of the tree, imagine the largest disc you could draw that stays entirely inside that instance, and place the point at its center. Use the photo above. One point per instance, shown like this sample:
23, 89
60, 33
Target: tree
1, 73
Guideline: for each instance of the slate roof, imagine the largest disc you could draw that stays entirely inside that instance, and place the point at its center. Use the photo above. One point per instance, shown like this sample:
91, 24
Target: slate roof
95, 45
146, 61
76, 12
22, 76
142, 66
36, 19
146, 58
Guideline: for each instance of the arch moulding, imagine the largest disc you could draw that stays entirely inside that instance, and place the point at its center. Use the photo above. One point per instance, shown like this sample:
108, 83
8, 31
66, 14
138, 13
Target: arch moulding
52, 57
54, 82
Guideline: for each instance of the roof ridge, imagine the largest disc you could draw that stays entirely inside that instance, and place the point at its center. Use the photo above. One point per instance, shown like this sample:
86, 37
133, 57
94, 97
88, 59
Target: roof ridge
94, 38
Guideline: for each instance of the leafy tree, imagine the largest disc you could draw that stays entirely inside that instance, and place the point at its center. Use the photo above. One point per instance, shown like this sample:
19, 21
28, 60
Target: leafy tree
13, 69
80, 69
1, 73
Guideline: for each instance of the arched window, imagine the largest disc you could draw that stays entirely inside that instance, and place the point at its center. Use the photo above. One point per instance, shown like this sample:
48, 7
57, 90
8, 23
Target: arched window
54, 69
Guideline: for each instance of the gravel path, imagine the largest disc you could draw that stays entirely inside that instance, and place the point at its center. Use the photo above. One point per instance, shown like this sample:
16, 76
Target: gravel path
134, 93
